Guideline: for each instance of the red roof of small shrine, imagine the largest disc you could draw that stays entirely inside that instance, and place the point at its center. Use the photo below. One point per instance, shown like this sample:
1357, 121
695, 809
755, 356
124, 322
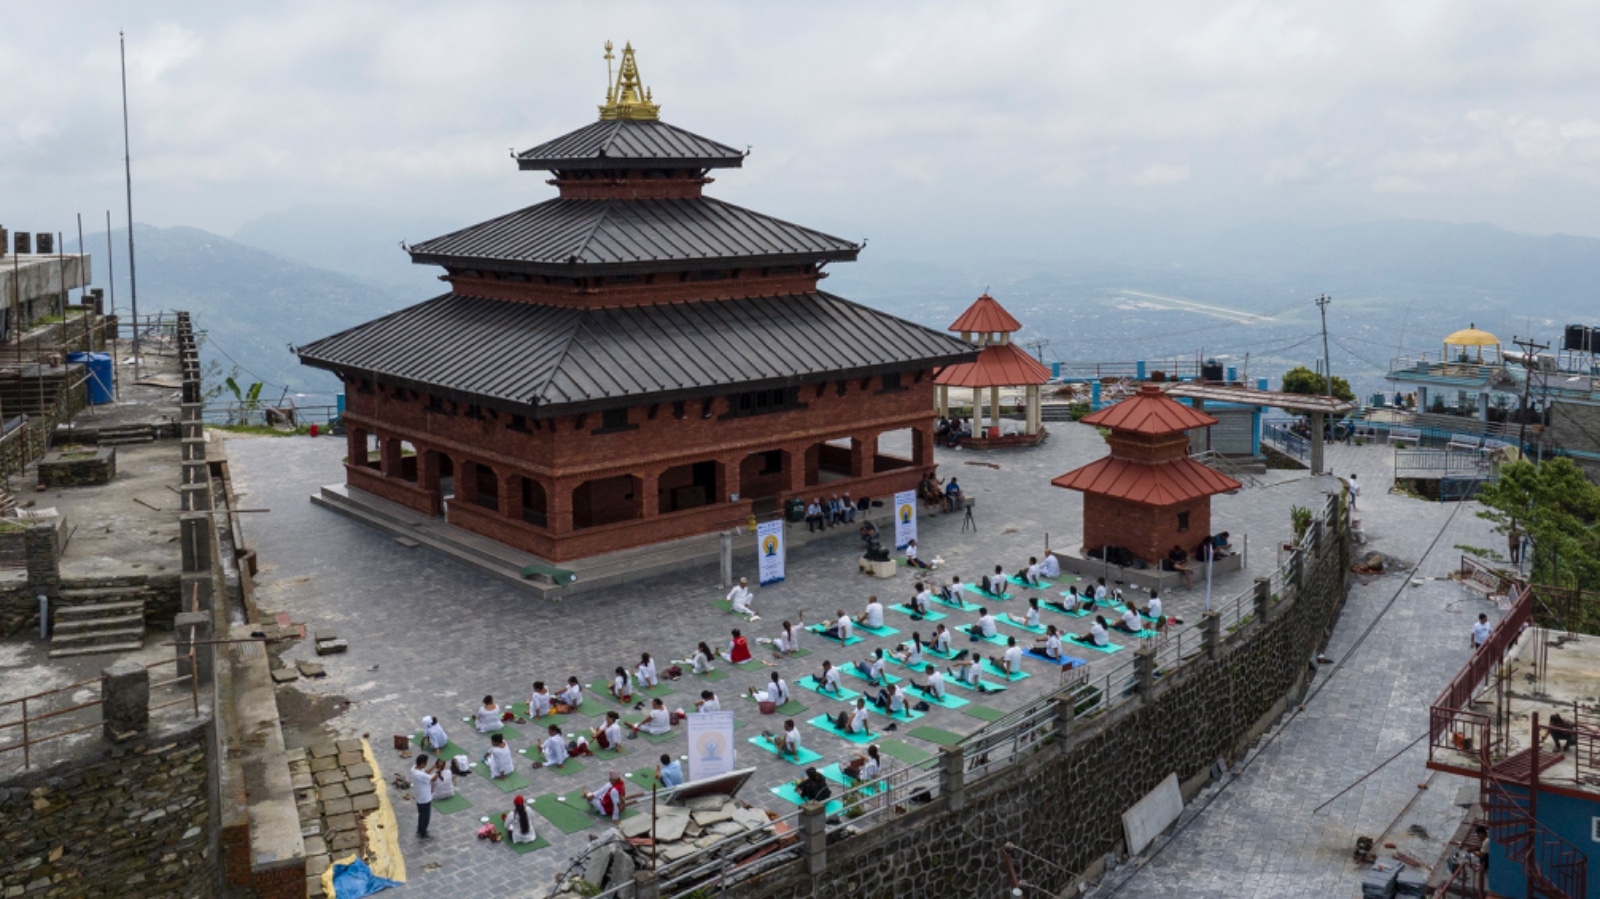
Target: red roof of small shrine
1166, 484
985, 316
1149, 412
999, 365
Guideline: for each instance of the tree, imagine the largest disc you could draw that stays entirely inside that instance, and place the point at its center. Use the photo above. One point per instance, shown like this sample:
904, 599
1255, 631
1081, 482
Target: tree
1303, 380
1556, 507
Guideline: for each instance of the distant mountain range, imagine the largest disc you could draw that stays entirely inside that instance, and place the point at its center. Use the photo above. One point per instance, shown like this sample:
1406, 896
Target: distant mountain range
1134, 289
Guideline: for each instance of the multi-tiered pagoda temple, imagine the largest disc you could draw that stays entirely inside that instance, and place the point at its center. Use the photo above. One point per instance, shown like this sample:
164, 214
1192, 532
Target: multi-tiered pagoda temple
632, 361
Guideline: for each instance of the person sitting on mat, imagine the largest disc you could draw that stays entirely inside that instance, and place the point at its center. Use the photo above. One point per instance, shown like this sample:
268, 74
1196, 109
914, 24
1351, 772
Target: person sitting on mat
920, 604
1029, 574
621, 686
841, 627
572, 696
860, 768
701, 663
853, 721
707, 702
487, 718
1100, 590
951, 592
871, 667
828, 680
519, 824
1011, 661
983, 627
668, 771
609, 734
775, 692
1067, 603
1032, 617
612, 799
787, 743
969, 672
1096, 636
555, 748
934, 688
909, 654
891, 699
995, 584
1049, 566
434, 738
539, 701
657, 721
1131, 622
738, 649
646, 672
813, 787
788, 640
911, 556
941, 640
444, 780
872, 615
1153, 610
498, 758
1049, 645
740, 598
1178, 560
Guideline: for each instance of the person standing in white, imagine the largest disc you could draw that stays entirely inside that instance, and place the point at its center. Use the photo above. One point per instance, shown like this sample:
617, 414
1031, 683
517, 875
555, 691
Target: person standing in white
422, 791
1355, 491
1480, 631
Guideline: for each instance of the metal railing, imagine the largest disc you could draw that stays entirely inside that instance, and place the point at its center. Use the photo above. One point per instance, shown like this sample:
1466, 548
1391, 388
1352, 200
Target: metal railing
1451, 720
1281, 438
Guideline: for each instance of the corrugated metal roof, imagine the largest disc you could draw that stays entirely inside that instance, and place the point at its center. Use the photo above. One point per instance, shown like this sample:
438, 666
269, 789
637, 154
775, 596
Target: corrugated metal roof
1169, 483
551, 359
986, 315
628, 144
998, 365
578, 235
1149, 412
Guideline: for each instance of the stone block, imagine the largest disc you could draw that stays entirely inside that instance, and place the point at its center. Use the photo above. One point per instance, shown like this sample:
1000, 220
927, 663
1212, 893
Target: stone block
348, 746
339, 823
331, 647
336, 807
324, 750
310, 669
316, 864
285, 675
319, 765
364, 803
359, 786
316, 846
361, 770
125, 701
345, 841
350, 759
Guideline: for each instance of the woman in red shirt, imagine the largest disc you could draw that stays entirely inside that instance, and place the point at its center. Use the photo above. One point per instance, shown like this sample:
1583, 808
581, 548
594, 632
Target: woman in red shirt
738, 649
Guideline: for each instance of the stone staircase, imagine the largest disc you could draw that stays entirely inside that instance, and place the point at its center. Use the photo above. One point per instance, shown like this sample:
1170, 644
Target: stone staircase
122, 435
105, 615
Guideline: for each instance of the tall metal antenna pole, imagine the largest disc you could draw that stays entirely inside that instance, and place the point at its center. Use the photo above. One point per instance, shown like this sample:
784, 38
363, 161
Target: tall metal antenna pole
1530, 357
127, 171
1327, 359
83, 251
111, 280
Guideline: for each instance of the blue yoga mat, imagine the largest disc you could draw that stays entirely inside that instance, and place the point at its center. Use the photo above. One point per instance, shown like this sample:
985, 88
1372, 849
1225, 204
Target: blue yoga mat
1065, 661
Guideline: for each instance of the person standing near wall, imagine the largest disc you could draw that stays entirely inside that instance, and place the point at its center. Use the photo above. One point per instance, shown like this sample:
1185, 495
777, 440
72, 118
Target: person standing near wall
422, 792
1480, 631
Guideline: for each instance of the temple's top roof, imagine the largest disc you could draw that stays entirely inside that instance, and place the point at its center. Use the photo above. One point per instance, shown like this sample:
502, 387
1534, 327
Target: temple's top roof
549, 360
986, 316
999, 365
581, 237
629, 144
1149, 412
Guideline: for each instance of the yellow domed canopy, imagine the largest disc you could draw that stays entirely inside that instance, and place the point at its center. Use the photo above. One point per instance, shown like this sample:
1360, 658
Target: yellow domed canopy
1471, 336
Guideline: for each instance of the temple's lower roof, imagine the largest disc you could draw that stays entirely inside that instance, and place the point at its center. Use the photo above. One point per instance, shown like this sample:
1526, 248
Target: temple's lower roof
550, 360
1165, 484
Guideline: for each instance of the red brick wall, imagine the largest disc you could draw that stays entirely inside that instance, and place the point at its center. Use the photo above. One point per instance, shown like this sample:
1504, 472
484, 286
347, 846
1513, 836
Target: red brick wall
1148, 531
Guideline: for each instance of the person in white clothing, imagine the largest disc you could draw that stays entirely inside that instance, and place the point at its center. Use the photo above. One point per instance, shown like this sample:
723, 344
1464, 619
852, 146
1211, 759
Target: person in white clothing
828, 681
498, 758
433, 736
871, 667
657, 721
519, 824
1030, 574
862, 767
1049, 566
872, 615
621, 685
1480, 631
539, 700
842, 627
911, 556
1355, 491
422, 778
487, 718
969, 672
1031, 619
554, 748
995, 584
775, 692
1153, 610
444, 782
1130, 622
934, 688
609, 734
856, 722
572, 696
1011, 661
707, 702
921, 602
892, 700
646, 672
788, 742
610, 800
1049, 645
741, 599
1100, 590
788, 640
910, 653
701, 662
941, 640
1096, 636
985, 625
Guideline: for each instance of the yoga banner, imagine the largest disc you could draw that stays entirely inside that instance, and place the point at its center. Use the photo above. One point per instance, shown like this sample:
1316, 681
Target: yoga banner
769, 550
905, 518
710, 744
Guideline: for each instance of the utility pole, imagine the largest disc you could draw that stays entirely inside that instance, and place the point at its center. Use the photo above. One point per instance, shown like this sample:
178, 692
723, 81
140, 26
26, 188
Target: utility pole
1530, 355
127, 171
1322, 302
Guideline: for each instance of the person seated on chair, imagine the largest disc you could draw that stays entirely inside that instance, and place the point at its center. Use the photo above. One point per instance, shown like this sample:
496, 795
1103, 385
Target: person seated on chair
995, 584
572, 696
1011, 661
1096, 636
934, 688
1222, 545
952, 496
868, 533
444, 780
434, 738
853, 721
984, 627
861, 768
1049, 566
909, 654
609, 734
920, 603
828, 680
610, 800
1178, 560
519, 824
787, 743
741, 598
872, 615
539, 701
776, 691
646, 672
911, 556
657, 721
814, 516
707, 702
621, 686
738, 649
498, 758
941, 639
488, 716
891, 699
700, 663
1131, 622
1560, 732
556, 750
813, 787
669, 772
841, 628
1049, 645
1031, 619
850, 508
871, 667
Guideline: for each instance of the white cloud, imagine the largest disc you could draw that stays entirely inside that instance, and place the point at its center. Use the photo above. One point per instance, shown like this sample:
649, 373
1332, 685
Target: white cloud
1162, 173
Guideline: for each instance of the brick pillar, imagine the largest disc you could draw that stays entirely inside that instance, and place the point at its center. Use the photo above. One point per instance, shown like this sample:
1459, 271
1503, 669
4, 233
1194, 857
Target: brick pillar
511, 497
1211, 634
558, 500
649, 482
727, 480
862, 450
393, 465
125, 701
193, 626
953, 777
357, 440
921, 447
814, 836
428, 476
1263, 597
1317, 419
794, 464
466, 481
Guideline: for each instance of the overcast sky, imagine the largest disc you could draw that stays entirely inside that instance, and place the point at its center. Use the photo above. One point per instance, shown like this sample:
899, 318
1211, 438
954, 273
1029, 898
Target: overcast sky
883, 120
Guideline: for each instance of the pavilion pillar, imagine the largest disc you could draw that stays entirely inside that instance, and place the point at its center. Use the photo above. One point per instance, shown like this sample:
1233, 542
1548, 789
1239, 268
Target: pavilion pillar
921, 447
357, 451
727, 480
1317, 442
862, 449
510, 496
1199, 438
994, 408
393, 465
1031, 423
649, 493
428, 473
558, 503
466, 478
794, 469
944, 401
1483, 407
977, 411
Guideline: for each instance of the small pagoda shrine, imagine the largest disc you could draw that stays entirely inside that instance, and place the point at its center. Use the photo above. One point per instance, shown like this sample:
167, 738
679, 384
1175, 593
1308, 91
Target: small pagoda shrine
1147, 495
1001, 363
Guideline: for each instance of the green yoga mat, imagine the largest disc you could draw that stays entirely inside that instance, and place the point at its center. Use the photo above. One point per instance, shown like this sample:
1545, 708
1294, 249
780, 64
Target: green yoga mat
1007, 620
822, 722
1017, 581
904, 752
930, 615
601, 688
606, 754
568, 768
1000, 597
1108, 649
991, 668
511, 734
751, 665
650, 738
539, 842
511, 783
806, 756
819, 630
963, 634
571, 816
934, 735
520, 709
884, 631
949, 701
714, 674
852, 671
983, 713
787, 793
845, 694
450, 750
961, 604
644, 778
791, 707
656, 692
456, 803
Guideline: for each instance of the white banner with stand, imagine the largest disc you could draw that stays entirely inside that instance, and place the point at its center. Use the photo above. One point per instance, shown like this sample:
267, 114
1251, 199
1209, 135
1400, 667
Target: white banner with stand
710, 744
769, 550
905, 518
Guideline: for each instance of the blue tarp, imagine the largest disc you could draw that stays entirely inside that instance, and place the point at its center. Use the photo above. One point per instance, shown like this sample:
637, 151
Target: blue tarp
354, 880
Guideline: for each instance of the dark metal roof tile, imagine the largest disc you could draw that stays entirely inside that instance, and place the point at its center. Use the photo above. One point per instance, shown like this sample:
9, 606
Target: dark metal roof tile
629, 144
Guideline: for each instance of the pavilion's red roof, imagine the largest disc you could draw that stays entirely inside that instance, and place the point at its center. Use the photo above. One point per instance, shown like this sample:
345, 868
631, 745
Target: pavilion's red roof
1166, 484
1149, 412
986, 315
999, 365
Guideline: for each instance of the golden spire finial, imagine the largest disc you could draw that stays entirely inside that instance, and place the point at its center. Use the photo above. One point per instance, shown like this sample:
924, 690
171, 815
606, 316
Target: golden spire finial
626, 96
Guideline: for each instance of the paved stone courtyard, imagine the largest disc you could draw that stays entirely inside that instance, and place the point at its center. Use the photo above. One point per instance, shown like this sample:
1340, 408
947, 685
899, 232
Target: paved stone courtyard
429, 636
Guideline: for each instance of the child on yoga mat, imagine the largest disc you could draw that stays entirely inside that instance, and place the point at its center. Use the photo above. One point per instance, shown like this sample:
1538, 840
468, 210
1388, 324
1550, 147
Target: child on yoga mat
853, 721
539, 701
738, 649
934, 687
621, 687
910, 654
871, 667
828, 680
860, 768
487, 718
498, 758
984, 627
1049, 645
572, 696
609, 734
646, 672
1096, 636
1011, 661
